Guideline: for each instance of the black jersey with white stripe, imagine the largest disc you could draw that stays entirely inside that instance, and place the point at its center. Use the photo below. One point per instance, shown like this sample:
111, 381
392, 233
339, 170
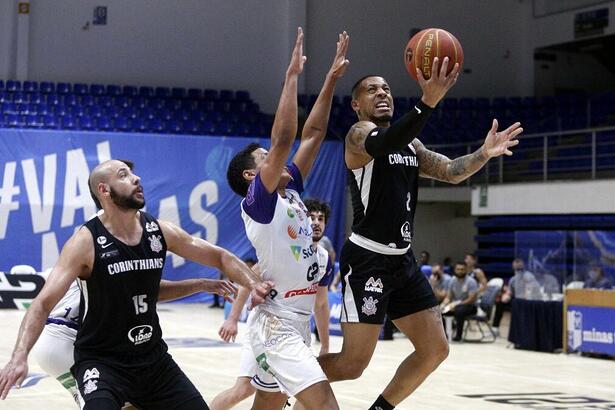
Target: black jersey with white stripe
384, 197
118, 300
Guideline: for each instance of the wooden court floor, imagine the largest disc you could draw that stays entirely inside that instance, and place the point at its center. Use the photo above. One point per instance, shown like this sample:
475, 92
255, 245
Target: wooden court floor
475, 376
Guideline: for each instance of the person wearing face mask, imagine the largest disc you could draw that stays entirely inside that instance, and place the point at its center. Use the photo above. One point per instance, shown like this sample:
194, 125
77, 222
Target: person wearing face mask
597, 280
461, 298
439, 282
522, 285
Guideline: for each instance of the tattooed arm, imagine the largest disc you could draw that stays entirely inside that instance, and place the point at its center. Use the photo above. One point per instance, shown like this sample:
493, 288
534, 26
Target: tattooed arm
440, 167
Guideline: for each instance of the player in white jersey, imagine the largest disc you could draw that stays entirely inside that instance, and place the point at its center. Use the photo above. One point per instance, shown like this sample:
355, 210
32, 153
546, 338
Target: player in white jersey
242, 389
279, 228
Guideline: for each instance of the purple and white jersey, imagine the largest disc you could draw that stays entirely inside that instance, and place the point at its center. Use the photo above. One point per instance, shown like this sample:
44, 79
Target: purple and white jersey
280, 230
66, 312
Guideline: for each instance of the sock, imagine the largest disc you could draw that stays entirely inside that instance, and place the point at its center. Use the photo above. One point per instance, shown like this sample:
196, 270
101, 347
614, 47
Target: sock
381, 404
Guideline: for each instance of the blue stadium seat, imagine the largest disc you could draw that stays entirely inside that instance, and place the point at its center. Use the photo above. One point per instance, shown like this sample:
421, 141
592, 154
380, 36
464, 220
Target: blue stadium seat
173, 104
63, 88
102, 124
191, 127
50, 121
210, 94
30, 86
206, 105
52, 98
97, 89
130, 113
178, 92
122, 124
19, 97
139, 125
87, 100
80, 89
93, 111
157, 103
104, 101
1, 85
75, 110
174, 127
139, 102
156, 125
195, 93
70, 99
164, 114
12, 85
36, 97
85, 123
40, 108
8, 107
242, 95
121, 101
68, 122
162, 92
34, 121
148, 113
47, 87
130, 91
114, 90
146, 91
4, 96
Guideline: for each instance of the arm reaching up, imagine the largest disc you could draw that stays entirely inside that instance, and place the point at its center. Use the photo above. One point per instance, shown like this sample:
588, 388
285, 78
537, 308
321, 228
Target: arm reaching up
315, 128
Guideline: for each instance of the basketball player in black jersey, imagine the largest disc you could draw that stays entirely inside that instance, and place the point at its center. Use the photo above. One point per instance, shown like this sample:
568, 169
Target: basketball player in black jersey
380, 273
119, 352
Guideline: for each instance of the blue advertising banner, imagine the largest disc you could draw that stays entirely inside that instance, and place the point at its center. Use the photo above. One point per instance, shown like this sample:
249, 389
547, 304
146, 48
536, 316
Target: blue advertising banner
44, 194
591, 329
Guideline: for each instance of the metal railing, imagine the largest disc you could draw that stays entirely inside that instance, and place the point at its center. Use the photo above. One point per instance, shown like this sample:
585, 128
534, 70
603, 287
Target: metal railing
559, 155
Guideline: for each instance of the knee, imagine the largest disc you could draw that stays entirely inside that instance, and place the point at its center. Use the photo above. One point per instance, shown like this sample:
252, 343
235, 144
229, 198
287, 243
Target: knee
435, 353
439, 352
354, 370
244, 391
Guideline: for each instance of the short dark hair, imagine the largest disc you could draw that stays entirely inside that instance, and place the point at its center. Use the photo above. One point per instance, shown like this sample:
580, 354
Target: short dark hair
129, 164
241, 161
460, 263
315, 205
355, 87
472, 255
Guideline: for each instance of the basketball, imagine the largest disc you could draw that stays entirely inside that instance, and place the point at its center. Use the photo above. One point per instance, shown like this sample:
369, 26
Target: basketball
430, 43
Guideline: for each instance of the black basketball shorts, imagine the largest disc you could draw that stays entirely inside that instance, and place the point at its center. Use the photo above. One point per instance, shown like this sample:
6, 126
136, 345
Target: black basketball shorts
376, 285
161, 385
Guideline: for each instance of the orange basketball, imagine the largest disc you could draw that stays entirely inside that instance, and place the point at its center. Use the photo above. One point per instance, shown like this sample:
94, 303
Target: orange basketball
427, 44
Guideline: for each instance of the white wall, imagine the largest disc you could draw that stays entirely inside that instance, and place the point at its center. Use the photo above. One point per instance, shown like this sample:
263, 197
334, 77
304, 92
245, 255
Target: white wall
216, 43
8, 34
494, 36
246, 44
443, 229
578, 197
559, 28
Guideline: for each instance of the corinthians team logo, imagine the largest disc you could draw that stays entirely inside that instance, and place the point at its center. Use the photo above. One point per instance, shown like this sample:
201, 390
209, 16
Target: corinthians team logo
154, 243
